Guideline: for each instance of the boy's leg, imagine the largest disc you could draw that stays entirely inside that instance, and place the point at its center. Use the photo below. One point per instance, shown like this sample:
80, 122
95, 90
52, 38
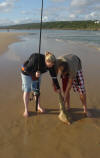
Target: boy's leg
68, 101
83, 100
64, 85
34, 88
82, 92
39, 106
26, 102
26, 87
84, 103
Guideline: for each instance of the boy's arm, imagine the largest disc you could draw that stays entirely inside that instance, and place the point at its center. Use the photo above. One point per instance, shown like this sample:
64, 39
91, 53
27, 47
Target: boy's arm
30, 65
53, 75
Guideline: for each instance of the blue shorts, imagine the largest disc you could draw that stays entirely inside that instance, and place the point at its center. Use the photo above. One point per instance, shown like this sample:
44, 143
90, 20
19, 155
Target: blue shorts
28, 84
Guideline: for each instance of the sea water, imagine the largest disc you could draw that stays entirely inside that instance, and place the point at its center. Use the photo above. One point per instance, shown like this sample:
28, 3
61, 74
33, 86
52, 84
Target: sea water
92, 37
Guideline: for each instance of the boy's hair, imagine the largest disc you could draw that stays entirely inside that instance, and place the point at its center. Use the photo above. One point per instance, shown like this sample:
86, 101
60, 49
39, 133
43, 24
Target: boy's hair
50, 57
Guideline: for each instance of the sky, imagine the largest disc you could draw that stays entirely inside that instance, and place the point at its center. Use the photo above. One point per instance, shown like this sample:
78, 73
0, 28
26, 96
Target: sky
27, 11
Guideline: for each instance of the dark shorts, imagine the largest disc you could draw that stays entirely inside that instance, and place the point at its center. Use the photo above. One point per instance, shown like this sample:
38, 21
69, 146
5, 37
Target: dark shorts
78, 83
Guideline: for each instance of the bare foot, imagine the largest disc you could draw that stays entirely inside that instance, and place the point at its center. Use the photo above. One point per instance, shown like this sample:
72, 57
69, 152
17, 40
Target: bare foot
64, 118
40, 109
25, 114
87, 114
67, 108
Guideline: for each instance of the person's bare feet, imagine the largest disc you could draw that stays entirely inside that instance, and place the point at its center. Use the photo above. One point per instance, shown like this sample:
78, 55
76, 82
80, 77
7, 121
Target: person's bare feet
87, 113
25, 114
41, 110
64, 118
67, 108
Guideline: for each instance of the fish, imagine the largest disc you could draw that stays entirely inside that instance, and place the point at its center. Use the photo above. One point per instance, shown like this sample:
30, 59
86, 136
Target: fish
64, 116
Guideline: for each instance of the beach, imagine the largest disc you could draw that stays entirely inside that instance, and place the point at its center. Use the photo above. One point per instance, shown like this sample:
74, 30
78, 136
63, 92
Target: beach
43, 135
6, 39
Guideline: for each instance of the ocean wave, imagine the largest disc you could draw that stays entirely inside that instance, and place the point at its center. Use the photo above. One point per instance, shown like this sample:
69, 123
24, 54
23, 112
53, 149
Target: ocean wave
98, 48
94, 46
59, 40
86, 43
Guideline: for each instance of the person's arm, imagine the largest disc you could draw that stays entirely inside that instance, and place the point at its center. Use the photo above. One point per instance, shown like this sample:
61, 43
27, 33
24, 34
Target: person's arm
29, 66
53, 75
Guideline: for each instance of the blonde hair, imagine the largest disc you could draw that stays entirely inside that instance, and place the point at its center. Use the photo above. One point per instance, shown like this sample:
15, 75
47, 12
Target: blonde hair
50, 57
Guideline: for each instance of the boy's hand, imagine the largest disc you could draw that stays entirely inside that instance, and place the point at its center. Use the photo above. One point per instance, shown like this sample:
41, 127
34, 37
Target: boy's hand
37, 74
55, 88
58, 91
64, 99
34, 78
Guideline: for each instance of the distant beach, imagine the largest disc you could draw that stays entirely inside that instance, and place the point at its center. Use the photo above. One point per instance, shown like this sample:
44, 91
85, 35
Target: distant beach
6, 39
43, 135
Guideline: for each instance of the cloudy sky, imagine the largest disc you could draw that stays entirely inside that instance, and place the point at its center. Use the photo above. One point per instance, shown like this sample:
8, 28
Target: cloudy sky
26, 11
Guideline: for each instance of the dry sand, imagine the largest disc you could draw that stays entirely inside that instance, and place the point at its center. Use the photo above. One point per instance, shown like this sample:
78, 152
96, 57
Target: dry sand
43, 135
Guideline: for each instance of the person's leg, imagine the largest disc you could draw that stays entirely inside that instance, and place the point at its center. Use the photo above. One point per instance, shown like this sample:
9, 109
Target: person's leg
83, 100
68, 101
26, 87
84, 103
26, 102
64, 86
34, 89
82, 92
40, 109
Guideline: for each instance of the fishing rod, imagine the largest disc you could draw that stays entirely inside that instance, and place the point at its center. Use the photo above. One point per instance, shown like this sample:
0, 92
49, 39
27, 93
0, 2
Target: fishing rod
38, 89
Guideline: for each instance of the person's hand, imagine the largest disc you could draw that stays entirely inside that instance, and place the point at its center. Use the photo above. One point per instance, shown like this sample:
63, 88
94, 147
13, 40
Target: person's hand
55, 88
64, 99
34, 78
37, 74
58, 91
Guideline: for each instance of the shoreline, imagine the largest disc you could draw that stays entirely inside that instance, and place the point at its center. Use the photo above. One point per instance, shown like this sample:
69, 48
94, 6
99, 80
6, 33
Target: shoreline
8, 38
71, 29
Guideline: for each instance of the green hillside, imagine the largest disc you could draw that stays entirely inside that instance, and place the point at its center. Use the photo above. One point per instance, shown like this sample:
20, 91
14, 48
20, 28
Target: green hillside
73, 25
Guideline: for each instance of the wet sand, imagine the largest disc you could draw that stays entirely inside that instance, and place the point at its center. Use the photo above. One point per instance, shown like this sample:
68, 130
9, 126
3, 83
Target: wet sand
6, 39
43, 135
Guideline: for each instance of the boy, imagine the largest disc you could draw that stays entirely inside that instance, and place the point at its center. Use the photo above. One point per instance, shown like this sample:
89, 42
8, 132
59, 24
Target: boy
30, 75
70, 68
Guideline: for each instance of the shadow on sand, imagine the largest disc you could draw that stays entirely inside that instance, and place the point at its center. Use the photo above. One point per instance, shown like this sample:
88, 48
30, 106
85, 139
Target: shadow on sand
47, 112
76, 113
